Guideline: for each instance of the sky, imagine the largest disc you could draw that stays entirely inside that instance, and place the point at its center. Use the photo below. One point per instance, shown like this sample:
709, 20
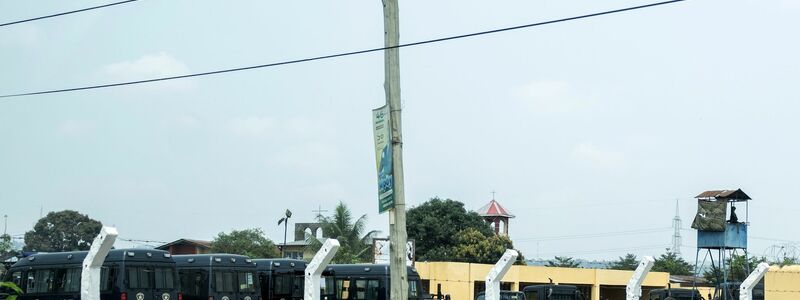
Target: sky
586, 127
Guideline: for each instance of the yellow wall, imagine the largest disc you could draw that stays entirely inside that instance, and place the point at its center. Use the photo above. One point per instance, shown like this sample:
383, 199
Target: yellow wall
782, 283
457, 279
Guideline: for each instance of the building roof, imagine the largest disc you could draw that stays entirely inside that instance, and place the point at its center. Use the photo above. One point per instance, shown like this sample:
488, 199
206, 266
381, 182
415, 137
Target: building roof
494, 209
727, 195
200, 243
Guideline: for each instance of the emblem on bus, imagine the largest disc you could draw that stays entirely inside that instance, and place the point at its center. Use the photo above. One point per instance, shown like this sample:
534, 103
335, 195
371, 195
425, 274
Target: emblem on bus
246, 297
165, 296
139, 296
225, 298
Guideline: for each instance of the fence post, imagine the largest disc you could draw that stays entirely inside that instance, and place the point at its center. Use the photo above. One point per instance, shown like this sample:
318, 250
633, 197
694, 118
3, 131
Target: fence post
498, 271
92, 264
746, 289
634, 289
314, 268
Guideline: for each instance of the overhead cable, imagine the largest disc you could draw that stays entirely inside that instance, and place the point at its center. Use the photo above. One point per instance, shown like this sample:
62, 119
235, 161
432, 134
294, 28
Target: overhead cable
303, 60
66, 13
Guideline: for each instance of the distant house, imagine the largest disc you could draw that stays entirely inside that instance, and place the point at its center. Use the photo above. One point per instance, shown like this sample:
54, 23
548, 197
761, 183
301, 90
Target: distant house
298, 249
187, 246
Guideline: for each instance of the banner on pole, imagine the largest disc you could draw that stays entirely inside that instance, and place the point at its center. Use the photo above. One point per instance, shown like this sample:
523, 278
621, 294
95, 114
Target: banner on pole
380, 251
383, 157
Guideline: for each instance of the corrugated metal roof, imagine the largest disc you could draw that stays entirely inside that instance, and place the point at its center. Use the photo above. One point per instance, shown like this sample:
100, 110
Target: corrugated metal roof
732, 195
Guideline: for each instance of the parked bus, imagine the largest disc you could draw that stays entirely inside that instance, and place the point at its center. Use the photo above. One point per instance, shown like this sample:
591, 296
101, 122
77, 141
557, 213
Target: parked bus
730, 291
217, 277
552, 292
142, 274
676, 294
504, 295
281, 279
364, 282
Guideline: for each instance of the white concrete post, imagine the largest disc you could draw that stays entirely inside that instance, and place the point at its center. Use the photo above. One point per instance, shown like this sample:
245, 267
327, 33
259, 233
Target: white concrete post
90, 275
314, 268
497, 272
634, 289
746, 289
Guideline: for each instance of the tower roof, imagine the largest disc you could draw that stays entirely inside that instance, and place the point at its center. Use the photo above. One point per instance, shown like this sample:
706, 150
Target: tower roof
494, 209
726, 195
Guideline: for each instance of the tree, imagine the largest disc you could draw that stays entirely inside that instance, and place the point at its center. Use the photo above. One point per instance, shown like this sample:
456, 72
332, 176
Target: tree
473, 246
6, 247
249, 242
66, 230
563, 262
354, 244
738, 269
671, 263
628, 262
434, 224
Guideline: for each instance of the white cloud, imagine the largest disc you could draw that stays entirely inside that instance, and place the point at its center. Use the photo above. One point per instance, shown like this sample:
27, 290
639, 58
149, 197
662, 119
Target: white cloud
73, 128
252, 126
596, 156
550, 96
148, 67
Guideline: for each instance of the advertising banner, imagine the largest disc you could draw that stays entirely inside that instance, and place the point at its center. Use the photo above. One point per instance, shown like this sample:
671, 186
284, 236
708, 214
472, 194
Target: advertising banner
380, 251
383, 158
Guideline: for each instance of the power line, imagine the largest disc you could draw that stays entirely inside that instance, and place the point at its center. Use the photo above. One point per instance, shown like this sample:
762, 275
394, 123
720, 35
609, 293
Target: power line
303, 60
594, 235
66, 13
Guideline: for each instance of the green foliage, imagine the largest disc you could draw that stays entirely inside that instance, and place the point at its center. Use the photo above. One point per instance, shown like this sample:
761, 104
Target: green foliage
11, 289
787, 261
434, 225
475, 247
628, 262
739, 269
563, 262
6, 248
249, 242
66, 230
354, 244
672, 263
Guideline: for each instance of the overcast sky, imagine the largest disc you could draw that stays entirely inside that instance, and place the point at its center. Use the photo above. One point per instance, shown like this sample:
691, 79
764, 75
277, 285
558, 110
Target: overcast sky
586, 127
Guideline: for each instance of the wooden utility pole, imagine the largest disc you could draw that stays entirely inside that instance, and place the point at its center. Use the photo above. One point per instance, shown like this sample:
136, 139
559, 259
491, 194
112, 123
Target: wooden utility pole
397, 217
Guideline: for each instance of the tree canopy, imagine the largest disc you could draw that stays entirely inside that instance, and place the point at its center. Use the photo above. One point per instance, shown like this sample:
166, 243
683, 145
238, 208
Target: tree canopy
628, 262
473, 246
739, 268
672, 263
563, 262
249, 242
66, 230
354, 244
436, 225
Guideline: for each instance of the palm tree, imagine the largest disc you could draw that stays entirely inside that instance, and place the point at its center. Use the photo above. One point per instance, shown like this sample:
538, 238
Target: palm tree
354, 245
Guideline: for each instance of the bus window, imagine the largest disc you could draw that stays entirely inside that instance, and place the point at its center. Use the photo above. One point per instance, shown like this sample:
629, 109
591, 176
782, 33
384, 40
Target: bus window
297, 286
39, 281
224, 281
107, 277
16, 278
282, 284
412, 289
326, 288
532, 295
69, 280
165, 278
246, 283
342, 289
139, 277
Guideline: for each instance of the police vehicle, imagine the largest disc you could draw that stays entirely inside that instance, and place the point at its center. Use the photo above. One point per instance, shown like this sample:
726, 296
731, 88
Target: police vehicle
364, 282
281, 279
552, 292
217, 277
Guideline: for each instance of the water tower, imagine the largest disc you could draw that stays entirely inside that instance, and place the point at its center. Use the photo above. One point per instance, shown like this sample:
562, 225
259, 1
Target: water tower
721, 233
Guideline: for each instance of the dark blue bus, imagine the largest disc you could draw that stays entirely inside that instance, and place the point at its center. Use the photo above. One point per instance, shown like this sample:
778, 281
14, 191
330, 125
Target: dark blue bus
141, 274
217, 277
281, 279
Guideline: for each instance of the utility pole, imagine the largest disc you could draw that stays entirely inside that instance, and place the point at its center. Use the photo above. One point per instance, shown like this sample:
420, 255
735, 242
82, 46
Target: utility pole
397, 216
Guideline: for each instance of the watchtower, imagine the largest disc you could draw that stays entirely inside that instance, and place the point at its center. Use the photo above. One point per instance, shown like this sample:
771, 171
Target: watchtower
496, 215
721, 235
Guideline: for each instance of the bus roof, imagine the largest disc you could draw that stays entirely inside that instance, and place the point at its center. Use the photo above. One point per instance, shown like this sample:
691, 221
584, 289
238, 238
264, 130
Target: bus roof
363, 269
675, 292
76, 257
557, 288
280, 264
216, 260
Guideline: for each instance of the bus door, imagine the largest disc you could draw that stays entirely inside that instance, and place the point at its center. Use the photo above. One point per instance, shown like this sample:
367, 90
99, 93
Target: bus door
139, 283
246, 289
224, 285
164, 283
